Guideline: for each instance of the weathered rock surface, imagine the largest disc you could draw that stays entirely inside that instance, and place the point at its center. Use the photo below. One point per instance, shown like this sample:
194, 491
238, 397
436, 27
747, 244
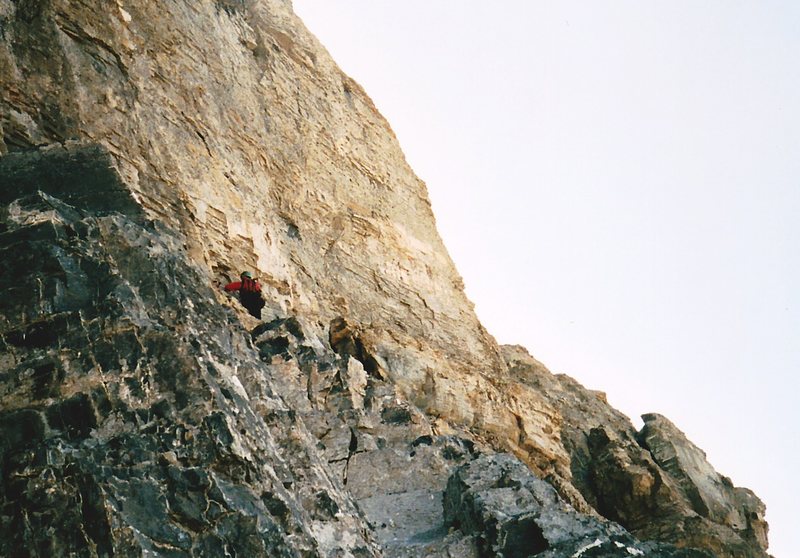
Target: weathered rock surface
711, 495
655, 482
152, 149
515, 515
136, 416
229, 122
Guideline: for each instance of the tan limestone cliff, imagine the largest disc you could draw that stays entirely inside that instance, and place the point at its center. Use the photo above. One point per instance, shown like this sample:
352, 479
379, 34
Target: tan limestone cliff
232, 123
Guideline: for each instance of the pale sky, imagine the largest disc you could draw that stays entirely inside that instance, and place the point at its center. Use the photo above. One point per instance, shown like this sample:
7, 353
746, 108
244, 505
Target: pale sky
618, 183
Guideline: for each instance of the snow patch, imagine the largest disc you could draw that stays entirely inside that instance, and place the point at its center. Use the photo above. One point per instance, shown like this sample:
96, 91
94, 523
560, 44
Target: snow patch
595, 544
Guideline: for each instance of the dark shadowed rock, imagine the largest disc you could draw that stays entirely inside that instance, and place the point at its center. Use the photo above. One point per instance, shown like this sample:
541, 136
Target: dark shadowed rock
513, 514
80, 174
711, 495
134, 415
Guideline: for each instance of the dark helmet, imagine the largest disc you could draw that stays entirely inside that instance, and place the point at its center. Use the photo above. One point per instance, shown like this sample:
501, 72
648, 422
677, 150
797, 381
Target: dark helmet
246, 274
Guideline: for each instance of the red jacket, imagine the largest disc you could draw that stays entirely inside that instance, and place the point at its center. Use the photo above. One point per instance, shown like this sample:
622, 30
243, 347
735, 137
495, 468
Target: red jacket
237, 286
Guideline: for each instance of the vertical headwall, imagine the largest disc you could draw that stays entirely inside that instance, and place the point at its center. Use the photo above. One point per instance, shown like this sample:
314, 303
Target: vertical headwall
230, 122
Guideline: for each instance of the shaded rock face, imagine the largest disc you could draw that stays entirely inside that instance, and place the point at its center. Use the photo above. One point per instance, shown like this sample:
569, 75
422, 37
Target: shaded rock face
712, 495
152, 150
127, 426
515, 515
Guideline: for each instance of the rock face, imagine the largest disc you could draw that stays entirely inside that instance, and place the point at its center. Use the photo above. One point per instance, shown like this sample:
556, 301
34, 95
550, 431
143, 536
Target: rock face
229, 122
137, 418
514, 514
655, 482
150, 151
711, 495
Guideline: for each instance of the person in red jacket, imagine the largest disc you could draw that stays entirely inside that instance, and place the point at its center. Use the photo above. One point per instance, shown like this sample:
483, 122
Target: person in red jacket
249, 293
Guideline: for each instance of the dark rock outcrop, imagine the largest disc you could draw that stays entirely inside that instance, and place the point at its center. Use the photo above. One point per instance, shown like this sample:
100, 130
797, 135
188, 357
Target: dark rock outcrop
137, 417
712, 496
82, 175
515, 515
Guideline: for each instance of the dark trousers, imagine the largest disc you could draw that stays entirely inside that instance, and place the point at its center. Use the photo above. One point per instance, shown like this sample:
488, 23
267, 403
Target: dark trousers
253, 302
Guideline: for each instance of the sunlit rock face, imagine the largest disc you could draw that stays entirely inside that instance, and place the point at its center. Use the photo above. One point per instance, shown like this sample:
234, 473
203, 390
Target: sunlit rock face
151, 151
230, 122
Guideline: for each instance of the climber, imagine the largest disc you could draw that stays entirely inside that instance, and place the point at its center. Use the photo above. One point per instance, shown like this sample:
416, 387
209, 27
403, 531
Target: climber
249, 293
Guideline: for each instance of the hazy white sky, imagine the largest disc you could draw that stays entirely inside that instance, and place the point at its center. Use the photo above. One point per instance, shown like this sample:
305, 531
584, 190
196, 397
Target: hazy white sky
619, 184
